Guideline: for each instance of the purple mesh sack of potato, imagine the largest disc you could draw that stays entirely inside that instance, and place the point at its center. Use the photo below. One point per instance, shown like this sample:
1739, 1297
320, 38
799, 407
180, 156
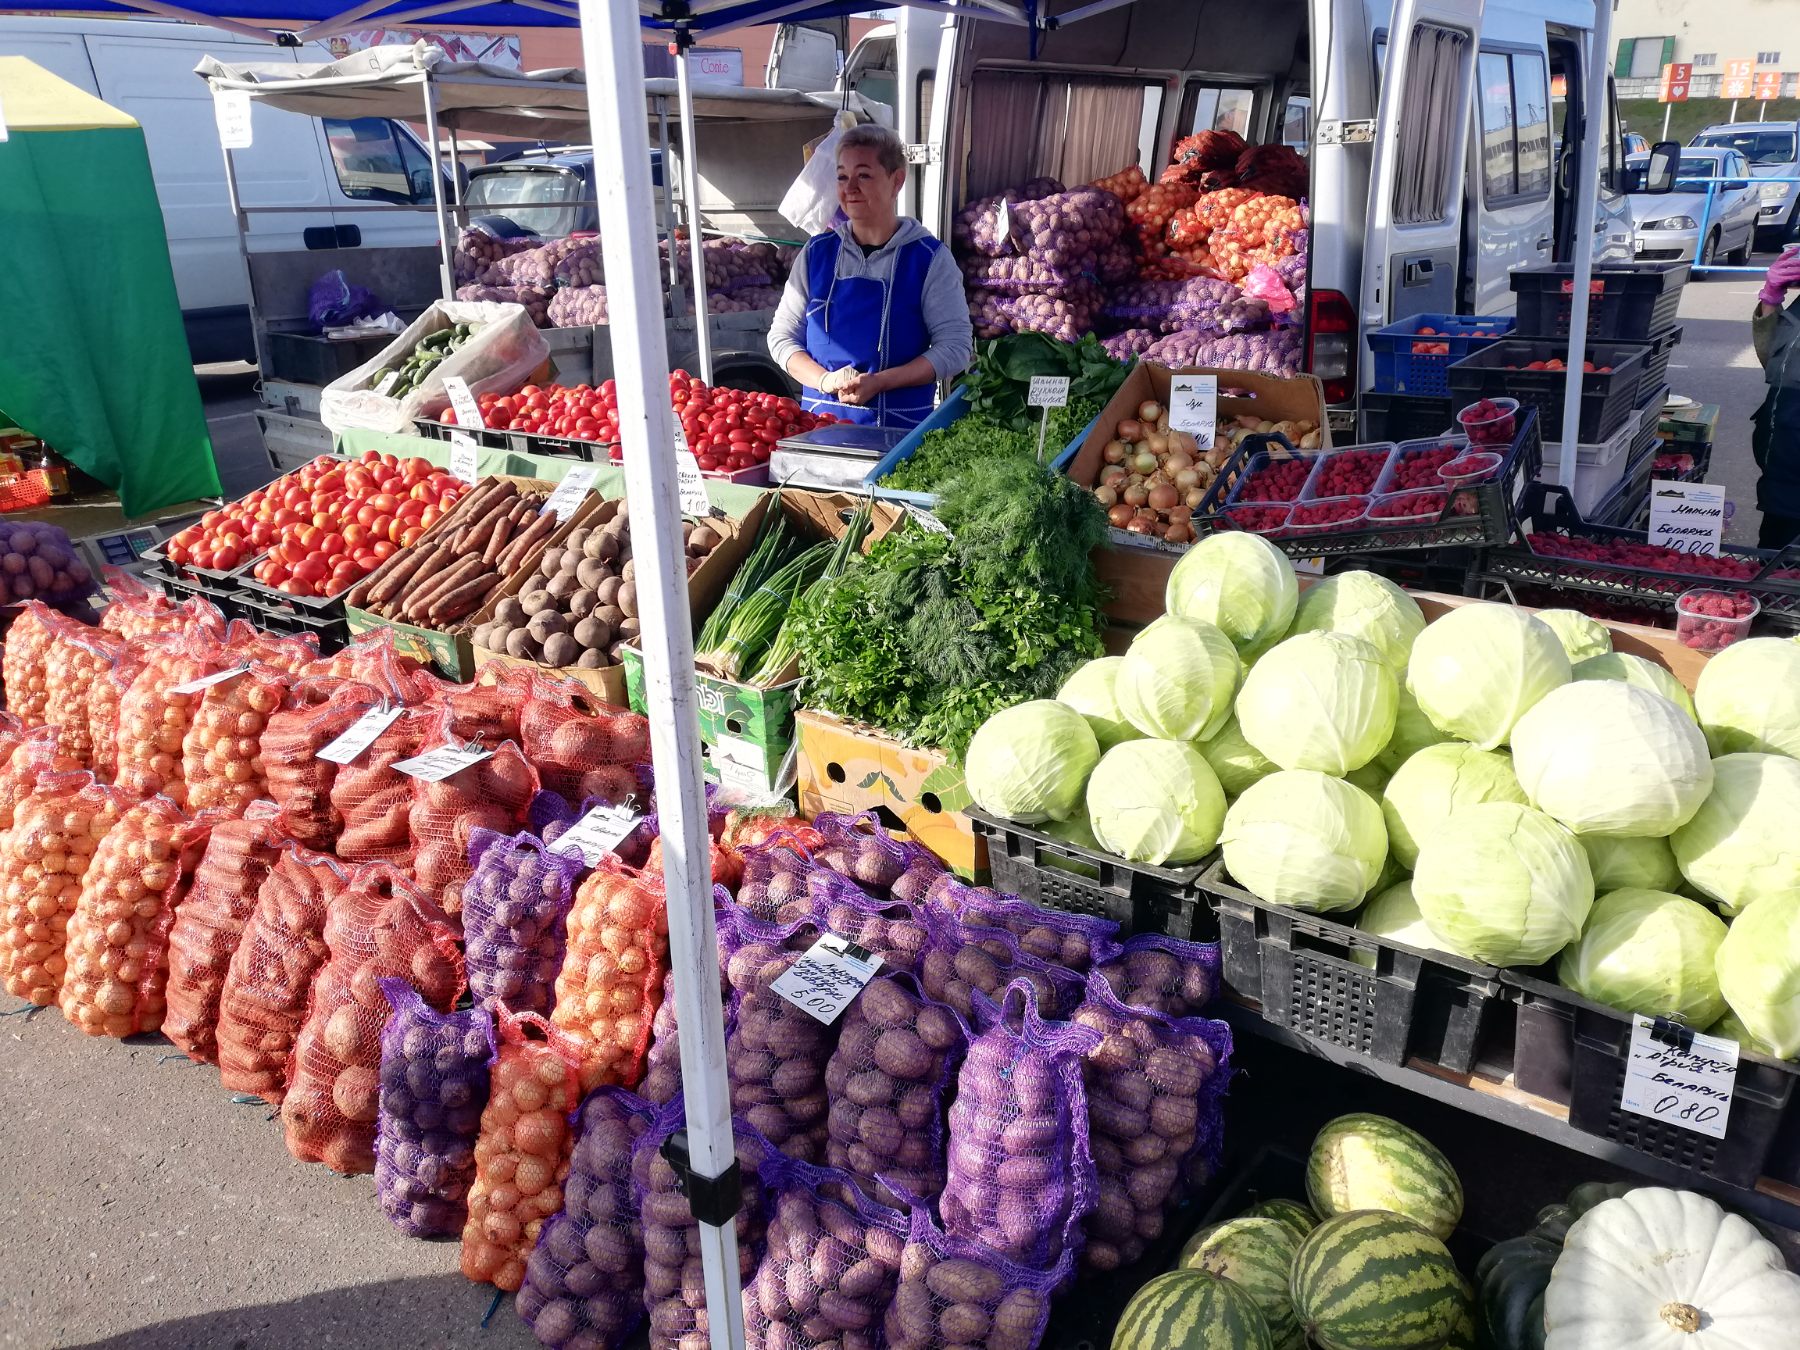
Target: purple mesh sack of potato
860, 848
1155, 1087
955, 1293
662, 1065
962, 960
1164, 974
892, 930
434, 1084
584, 1282
977, 226
514, 907
897, 1055
783, 885
1021, 1178
551, 814
830, 1262
1057, 936
674, 1287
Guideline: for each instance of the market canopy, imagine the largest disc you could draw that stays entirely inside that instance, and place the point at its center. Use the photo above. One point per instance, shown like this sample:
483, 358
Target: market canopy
94, 360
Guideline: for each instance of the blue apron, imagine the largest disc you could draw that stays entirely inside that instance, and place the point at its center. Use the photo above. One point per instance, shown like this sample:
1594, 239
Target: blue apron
857, 321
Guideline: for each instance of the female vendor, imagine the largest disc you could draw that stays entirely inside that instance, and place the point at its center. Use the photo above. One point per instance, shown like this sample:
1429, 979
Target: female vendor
874, 314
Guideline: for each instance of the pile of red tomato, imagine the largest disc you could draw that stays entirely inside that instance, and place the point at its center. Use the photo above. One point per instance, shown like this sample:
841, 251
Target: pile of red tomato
325, 526
727, 429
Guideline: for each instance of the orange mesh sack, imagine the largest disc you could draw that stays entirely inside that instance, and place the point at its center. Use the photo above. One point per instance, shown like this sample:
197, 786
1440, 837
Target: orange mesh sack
105, 697
12, 736
136, 611
383, 927
491, 795
45, 856
118, 936
77, 660
290, 653
33, 757
484, 713
522, 1154
221, 755
367, 659
154, 720
25, 665
612, 975
372, 801
577, 743
209, 922
263, 1003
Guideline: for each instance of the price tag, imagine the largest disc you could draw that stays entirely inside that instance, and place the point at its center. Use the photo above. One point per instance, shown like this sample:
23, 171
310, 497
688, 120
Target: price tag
690, 485
1194, 407
928, 522
597, 833
208, 681
822, 982
575, 485
387, 382
1310, 567
744, 781
349, 747
1048, 391
1003, 221
1688, 516
1679, 1076
464, 457
468, 412
434, 766
231, 110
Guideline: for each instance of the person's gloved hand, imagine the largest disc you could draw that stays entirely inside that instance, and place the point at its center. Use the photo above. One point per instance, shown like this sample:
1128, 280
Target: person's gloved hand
1783, 276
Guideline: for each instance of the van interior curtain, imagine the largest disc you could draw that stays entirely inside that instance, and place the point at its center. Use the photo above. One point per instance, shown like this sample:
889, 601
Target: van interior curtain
1428, 124
1004, 112
1099, 135
1024, 125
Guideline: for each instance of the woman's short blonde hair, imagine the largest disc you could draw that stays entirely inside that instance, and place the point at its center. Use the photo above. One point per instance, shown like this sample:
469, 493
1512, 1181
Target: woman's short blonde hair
889, 152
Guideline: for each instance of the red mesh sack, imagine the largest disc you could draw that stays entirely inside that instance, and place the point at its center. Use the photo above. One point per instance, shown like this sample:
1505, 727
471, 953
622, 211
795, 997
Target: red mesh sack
747, 827
573, 738
45, 856
372, 800
612, 974
382, 927
263, 1003
291, 654
117, 949
154, 721
78, 659
33, 757
12, 735
484, 713
369, 659
221, 755
522, 1155
25, 664
727, 864
209, 923
136, 611
494, 794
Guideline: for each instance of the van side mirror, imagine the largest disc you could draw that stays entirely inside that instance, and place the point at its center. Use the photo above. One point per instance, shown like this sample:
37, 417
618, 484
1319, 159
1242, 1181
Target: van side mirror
1659, 173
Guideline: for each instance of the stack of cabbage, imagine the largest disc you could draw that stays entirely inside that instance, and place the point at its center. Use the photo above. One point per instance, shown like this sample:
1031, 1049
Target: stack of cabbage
1496, 784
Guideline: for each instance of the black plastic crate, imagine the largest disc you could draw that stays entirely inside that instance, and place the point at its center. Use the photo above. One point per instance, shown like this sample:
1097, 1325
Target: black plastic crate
1403, 417
333, 634
1656, 368
308, 358
1057, 875
1607, 400
1633, 301
315, 607
1574, 1052
1301, 970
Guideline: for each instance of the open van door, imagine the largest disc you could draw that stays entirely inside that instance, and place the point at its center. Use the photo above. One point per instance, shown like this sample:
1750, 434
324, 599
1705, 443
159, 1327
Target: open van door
1416, 190
804, 57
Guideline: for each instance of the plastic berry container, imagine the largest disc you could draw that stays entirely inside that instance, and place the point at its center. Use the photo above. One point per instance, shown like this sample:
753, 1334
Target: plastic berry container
1708, 620
1258, 518
1421, 505
1327, 515
1492, 421
1269, 479
1465, 471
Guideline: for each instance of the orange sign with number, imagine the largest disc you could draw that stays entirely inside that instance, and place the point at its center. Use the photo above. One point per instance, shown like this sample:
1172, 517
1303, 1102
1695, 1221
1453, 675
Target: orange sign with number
1766, 84
1739, 78
1677, 79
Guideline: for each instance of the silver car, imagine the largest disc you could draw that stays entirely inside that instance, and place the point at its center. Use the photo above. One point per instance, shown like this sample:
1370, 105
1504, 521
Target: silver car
1666, 227
1773, 149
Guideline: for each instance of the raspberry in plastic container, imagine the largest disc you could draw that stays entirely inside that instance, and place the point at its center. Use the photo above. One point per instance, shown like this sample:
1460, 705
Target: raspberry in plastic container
1467, 470
1326, 515
1270, 521
1711, 620
1421, 505
1490, 421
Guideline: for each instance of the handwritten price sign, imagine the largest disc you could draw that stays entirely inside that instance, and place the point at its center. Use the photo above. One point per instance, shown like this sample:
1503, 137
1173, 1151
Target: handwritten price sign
1194, 407
831, 973
1680, 1077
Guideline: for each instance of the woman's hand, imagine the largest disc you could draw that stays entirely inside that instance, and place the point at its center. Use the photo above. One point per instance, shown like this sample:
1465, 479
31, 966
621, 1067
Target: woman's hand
1783, 276
860, 389
836, 381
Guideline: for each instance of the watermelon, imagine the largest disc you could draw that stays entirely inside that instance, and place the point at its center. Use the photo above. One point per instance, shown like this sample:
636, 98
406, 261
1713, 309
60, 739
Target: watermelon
1257, 1255
1290, 1212
1191, 1310
1371, 1280
1371, 1162
1462, 1333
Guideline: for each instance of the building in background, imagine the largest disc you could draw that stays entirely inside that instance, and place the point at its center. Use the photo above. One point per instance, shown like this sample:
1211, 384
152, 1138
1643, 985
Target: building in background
1710, 35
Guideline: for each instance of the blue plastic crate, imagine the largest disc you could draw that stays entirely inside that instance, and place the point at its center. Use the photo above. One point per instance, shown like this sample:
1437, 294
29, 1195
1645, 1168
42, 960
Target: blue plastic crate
1401, 370
946, 412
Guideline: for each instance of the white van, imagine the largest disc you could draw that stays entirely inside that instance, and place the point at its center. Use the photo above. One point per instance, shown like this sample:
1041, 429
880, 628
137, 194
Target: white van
1479, 115
336, 169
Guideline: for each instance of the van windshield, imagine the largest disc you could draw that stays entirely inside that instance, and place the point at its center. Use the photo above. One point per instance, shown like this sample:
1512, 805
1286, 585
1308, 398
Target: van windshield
1770, 146
534, 199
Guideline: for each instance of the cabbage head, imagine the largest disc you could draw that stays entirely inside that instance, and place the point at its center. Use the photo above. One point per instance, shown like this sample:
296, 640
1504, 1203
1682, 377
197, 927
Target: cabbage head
1305, 840
1155, 802
1237, 762
1090, 690
1748, 697
1030, 762
1504, 884
1581, 637
1240, 582
1413, 731
1631, 863
1636, 670
1478, 669
1363, 605
1648, 952
1435, 784
1605, 757
1743, 844
1732, 1028
1759, 972
1176, 680
1319, 701
1393, 915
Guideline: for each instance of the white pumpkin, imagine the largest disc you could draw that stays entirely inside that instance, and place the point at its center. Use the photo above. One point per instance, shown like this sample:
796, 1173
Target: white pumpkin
1660, 1269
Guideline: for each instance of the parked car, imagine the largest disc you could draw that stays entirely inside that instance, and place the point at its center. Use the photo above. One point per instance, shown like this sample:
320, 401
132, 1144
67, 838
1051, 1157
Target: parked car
546, 191
1666, 228
1773, 149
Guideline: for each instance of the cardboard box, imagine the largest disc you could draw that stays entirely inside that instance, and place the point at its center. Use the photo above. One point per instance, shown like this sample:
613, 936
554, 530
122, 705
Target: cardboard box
847, 768
746, 732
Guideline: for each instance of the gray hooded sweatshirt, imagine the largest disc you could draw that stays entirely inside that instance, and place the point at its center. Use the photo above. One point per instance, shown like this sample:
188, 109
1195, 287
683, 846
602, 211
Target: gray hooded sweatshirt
942, 303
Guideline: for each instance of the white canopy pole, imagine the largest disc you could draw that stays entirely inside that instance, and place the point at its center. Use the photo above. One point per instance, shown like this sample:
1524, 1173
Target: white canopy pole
613, 50
446, 271
1595, 110
690, 194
